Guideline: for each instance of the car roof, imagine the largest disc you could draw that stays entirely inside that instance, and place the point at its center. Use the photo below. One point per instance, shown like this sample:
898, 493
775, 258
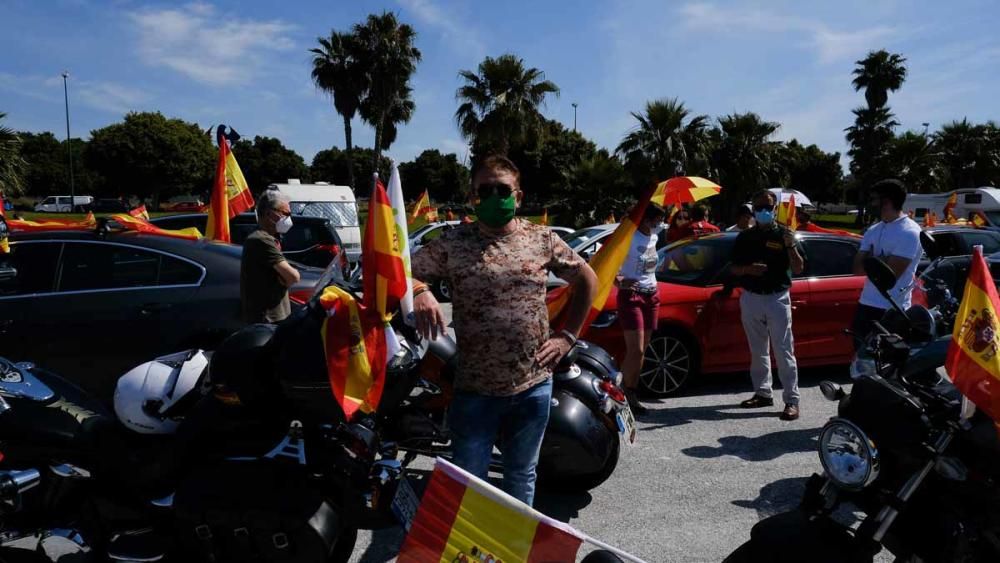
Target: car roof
159, 242
298, 218
957, 229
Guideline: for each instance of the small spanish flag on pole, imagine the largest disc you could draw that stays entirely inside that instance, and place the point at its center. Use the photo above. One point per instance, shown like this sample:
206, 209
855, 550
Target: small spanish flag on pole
949, 209
140, 212
545, 217
422, 207
787, 214
973, 361
230, 193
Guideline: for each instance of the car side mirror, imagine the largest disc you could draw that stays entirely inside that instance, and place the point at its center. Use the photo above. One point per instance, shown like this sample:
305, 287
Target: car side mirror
587, 255
879, 274
930, 246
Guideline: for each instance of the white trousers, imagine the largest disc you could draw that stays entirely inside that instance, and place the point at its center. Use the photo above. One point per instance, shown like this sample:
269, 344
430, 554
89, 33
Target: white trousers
767, 321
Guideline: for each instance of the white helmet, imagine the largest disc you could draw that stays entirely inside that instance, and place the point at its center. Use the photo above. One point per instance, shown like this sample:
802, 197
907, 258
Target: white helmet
144, 396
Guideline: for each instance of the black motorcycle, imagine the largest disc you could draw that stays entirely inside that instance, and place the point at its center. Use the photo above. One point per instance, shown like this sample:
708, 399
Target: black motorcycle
905, 449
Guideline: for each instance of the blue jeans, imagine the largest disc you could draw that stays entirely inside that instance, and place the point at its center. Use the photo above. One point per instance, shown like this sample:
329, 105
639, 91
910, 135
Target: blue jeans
519, 420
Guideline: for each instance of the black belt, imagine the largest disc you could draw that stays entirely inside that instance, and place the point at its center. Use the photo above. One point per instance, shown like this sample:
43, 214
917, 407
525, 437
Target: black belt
641, 290
768, 292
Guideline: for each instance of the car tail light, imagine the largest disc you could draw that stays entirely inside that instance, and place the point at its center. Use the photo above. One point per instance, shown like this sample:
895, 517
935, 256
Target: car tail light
612, 390
300, 297
331, 248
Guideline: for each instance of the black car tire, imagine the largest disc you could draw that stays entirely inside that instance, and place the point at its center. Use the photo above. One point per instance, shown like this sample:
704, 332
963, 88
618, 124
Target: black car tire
344, 548
669, 363
584, 483
442, 291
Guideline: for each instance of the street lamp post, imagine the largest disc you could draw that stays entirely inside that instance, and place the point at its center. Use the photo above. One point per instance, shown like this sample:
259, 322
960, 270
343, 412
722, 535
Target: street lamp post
926, 125
574, 117
69, 144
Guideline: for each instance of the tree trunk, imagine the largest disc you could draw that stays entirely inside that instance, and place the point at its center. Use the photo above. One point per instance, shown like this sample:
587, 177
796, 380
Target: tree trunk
378, 149
350, 152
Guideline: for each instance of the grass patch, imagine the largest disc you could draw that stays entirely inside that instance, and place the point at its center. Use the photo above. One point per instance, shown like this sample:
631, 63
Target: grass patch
836, 219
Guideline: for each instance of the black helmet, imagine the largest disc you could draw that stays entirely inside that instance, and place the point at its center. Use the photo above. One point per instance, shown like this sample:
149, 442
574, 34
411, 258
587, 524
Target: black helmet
244, 364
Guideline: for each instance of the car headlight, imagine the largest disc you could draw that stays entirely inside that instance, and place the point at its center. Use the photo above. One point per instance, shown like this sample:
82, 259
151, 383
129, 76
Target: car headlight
848, 455
863, 366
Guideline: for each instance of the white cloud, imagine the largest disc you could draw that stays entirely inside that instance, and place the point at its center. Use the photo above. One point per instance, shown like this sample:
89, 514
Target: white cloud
110, 96
462, 36
831, 45
107, 96
207, 46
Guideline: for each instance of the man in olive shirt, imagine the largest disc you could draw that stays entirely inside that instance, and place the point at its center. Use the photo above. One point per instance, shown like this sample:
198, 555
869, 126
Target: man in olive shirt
764, 258
265, 274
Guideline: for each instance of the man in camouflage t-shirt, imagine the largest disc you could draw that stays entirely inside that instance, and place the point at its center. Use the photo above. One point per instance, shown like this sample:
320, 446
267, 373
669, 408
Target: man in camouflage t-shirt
497, 268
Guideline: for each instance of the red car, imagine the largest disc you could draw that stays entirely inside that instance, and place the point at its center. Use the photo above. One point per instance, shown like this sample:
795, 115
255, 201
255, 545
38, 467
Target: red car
699, 322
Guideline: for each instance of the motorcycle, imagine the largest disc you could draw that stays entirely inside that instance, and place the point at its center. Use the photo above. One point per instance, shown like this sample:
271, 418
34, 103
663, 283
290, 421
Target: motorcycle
906, 449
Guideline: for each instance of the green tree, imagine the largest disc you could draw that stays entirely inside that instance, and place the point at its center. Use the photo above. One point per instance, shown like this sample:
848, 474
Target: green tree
746, 158
913, 158
442, 175
499, 104
816, 173
878, 74
545, 162
266, 161
970, 154
337, 70
597, 186
12, 165
387, 53
332, 165
150, 155
667, 141
47, 171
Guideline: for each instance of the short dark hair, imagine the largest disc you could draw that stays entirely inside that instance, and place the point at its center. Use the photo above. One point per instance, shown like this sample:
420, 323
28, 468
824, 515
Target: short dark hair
654, 210
891, 189
744, 210
698, 213
494, 162
768, 193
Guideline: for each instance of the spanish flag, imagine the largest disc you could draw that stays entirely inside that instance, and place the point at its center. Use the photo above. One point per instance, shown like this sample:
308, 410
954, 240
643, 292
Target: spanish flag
949, 209
4, 245
140, 212
87, 223
422, 207
606, 264
979, 220
355, 348
230, 193
462, 518
140, 225
930, 220
545, 217
382, 267
973, 361
3, 212
787, 214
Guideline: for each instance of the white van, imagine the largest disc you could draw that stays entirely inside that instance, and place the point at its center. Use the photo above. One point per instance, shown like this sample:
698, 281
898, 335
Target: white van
336, 203
60, 203
985, 199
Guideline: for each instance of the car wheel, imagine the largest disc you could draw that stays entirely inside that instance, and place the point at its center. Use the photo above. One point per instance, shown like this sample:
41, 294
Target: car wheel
442, 290
668, 364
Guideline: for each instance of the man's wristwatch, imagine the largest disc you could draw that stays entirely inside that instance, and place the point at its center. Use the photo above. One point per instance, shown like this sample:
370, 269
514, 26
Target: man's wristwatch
569, 335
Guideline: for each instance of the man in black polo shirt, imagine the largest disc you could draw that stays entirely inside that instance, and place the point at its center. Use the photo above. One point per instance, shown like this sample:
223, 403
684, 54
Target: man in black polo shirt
764, 259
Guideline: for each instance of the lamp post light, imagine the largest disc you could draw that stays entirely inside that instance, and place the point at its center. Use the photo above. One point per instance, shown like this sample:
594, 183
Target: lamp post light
574, 117
69, 144
926, 125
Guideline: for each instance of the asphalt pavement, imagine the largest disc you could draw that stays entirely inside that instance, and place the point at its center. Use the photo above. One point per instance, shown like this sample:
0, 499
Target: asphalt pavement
702, 473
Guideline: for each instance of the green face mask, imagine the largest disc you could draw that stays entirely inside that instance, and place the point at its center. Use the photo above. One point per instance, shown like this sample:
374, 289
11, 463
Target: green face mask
495, 211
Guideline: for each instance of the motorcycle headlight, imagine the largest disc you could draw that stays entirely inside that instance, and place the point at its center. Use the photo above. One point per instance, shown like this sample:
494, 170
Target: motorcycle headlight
863, 366
848, 455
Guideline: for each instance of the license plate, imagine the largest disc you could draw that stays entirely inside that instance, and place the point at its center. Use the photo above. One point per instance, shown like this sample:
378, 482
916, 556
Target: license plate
626, 425
405, 503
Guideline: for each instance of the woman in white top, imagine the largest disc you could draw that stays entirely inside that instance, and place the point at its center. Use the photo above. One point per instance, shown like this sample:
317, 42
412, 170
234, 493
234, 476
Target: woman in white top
638, 302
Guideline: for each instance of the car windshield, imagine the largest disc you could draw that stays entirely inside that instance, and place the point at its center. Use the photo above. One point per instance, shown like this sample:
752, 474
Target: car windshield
578, 238
341, 214
994, 217
694, 262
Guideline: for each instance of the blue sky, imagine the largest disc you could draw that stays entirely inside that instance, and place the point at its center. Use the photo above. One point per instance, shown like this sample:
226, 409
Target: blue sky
246, 63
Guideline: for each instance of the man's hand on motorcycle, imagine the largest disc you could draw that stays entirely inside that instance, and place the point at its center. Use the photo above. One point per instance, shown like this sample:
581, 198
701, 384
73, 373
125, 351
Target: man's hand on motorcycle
427, 312
552, 351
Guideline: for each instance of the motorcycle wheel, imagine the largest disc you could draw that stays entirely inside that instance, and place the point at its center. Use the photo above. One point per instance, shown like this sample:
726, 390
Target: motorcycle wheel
345, 546
743, 554
584, 483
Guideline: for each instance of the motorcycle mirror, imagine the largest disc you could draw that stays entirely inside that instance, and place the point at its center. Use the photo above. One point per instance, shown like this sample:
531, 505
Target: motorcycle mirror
922, 324
880, 275
832, 391
930, 246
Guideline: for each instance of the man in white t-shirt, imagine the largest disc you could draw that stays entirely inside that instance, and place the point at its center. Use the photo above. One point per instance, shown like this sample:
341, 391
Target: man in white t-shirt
896, 241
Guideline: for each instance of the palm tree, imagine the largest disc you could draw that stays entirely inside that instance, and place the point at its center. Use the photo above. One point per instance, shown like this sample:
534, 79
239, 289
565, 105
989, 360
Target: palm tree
914, 159
668, 141
401, 112
878, 74
12, 166
388, 55
965, 153
746, 158
499, 103
337, 70
597, 186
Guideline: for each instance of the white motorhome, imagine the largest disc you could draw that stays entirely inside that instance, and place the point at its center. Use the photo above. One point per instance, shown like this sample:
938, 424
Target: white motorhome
60, 203
969, 201
336, 203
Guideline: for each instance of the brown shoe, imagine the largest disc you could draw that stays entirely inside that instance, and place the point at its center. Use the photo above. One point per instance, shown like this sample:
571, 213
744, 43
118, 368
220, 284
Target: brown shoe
757, 402
791, 412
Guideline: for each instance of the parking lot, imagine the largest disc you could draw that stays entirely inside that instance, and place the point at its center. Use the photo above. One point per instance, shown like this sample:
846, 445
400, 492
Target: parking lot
702, 473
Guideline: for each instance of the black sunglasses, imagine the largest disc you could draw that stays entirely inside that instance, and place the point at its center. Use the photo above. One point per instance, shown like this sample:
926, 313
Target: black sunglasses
763, 208
486, 190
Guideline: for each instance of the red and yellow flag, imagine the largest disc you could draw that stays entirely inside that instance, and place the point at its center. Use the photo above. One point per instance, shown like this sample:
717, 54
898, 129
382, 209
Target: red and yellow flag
355, 348
382, 268
930, 220
949, 209
230, 194
787, 214
973, 361
3, 212
140, 212
610, 219
545, 217
4, 245
141, 225
462, 518
422, 207
431, 216
606, 264
87, 223
979, 219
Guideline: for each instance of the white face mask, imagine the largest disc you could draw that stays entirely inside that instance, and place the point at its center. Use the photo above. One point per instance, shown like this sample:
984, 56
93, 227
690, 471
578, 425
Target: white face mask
283, 225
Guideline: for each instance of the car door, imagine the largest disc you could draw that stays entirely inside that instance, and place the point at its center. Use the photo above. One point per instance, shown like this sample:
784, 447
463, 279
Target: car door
989, 240
834, 291
21, 303
112, 309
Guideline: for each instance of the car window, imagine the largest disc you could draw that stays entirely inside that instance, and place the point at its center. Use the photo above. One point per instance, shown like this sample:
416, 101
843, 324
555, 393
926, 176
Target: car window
64, 200
36, 268
49, 201
110, 266
949, 244
990, 241
435, 233
238, 232
697, 262
590, 250
825, 258
300, 237
342, 214
582, 235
